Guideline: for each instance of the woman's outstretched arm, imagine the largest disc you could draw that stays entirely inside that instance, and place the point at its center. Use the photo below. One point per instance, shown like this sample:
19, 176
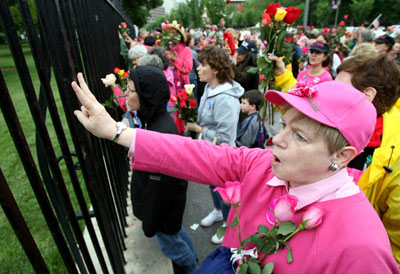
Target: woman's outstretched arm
94, 117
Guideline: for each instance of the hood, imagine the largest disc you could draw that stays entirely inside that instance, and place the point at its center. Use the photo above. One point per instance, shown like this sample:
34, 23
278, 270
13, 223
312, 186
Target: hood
234, 89
153, 90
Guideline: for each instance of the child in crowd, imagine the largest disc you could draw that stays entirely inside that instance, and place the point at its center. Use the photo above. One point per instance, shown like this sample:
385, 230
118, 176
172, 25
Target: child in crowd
249, 127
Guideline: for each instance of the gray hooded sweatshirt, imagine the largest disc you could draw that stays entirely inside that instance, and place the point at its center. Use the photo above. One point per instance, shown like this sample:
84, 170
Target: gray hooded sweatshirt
219, 112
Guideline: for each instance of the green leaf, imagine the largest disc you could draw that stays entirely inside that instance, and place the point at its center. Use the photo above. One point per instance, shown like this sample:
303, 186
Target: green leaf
173, 109
262, 229
221, 232
261, 63
289, 256
268, 248
235, 222
254, 268
286, 228
252, 70
268, 268
243, 268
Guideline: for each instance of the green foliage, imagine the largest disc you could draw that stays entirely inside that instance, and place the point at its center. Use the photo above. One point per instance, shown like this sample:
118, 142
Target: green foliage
323, 13
138, 10
182, 14
215, 10
16, 15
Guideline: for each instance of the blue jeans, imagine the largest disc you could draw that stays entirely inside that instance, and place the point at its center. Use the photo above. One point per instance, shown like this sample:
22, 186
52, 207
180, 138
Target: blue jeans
179, 249
219, 203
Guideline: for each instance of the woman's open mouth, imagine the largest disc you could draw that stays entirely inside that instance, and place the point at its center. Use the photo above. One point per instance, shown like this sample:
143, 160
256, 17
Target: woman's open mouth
275, 161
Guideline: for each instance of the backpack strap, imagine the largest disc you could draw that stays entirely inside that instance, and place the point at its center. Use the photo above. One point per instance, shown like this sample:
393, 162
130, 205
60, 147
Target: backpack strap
247, 125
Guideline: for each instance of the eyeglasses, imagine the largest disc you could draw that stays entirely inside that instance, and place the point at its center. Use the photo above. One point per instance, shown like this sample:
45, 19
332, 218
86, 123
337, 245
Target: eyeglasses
129, 89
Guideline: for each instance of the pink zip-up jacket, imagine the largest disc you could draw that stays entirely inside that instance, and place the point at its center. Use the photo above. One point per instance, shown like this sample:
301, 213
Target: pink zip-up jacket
351, 238
184, 62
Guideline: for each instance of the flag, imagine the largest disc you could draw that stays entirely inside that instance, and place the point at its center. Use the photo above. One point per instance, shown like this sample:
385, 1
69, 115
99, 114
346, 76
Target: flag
335, 4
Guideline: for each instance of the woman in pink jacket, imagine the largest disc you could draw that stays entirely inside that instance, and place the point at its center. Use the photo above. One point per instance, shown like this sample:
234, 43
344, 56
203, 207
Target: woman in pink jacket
181, 57
323, 128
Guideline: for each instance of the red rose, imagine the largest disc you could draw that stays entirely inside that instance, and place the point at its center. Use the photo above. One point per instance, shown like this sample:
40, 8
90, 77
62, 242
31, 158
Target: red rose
266, 19
182, 104
192, 103
125, 74
292, 15
271, 9
116, 70
183, 96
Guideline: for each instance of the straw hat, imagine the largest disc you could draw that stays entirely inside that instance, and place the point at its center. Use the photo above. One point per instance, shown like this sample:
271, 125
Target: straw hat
179, 28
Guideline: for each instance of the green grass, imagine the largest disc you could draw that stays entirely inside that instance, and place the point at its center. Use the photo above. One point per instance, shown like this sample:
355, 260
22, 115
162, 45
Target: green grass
12, 256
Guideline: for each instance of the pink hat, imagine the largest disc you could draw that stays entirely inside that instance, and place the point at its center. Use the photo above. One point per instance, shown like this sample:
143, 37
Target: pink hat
334, 104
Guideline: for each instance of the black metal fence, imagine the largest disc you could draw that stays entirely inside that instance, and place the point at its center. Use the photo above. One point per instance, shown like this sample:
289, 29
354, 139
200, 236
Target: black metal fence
74, 36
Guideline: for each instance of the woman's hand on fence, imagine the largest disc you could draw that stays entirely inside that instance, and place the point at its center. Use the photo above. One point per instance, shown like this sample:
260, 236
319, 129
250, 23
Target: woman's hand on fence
93, 116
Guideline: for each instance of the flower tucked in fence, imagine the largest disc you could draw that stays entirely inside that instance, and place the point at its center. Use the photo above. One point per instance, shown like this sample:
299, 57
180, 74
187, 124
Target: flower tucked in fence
111, 81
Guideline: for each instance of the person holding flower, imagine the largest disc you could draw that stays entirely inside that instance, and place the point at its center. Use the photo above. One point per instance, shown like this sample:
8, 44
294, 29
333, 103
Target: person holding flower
158, 200
218, 114
323, 128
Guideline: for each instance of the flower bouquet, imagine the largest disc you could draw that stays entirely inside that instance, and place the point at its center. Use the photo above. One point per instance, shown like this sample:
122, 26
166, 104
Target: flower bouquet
185, 105
110, 81
123, 28
266, 241
169, 34
274, 26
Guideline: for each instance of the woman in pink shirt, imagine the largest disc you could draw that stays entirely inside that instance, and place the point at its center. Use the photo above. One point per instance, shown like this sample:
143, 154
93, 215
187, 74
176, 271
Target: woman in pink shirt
318, 59
323, 128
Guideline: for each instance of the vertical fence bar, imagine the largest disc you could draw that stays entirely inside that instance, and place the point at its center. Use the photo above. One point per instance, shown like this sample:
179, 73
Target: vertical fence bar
17, 222
34, 107
65, 67
24, 153
45, 81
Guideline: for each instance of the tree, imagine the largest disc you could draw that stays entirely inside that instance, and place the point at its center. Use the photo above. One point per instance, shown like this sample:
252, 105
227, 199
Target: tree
139, 10
215, 10
361, 9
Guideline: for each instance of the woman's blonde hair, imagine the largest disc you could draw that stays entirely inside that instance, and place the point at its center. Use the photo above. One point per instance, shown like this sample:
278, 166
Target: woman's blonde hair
364, 50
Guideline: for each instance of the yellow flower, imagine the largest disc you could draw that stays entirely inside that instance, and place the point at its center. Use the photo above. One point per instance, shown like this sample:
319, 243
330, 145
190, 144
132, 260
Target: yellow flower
280, 14
121, 72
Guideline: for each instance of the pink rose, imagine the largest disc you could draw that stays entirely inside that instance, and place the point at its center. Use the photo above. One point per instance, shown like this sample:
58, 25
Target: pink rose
346, 16
333, 30
164, 26
230, 193
341, 23
283, 208
308, 27
313, 216
124, 24
326, 30
214, 28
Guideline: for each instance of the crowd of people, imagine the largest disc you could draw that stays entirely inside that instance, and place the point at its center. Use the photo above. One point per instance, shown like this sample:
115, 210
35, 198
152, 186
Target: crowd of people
337, 144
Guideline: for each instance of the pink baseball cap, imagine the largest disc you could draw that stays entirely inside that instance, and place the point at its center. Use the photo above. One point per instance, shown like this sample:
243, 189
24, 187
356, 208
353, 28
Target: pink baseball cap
334, 104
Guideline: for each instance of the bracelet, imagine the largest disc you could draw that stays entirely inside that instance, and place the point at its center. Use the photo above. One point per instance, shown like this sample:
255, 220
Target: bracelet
120, 127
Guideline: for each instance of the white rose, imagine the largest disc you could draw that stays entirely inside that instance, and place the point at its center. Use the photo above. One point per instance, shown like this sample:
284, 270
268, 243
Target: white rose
109, 80
189, 89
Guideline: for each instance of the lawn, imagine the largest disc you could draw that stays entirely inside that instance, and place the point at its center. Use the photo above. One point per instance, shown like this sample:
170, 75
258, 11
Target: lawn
12, 256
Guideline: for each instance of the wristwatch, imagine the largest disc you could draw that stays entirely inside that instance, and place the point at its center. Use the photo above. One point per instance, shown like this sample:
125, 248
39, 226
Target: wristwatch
120, 127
